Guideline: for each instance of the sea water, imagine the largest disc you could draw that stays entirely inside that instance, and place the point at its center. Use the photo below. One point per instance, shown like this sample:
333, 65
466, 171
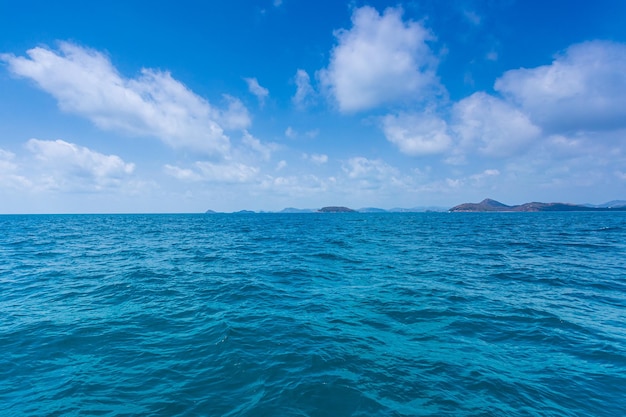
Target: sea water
391, 314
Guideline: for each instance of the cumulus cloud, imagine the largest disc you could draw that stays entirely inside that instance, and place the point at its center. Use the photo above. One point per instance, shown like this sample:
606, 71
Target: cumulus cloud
304, 91
417, 134
255, 88
582, 89
68, 167
491, 126
380, 60
85, 82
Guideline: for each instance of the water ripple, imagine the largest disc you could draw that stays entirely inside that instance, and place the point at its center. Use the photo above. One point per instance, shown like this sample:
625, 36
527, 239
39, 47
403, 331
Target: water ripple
313, 315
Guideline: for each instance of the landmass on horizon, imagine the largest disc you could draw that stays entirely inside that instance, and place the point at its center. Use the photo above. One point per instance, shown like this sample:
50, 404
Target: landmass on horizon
487, 205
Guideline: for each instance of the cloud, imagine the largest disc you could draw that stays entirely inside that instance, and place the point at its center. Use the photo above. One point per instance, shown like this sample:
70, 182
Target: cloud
312, 134
479, 178
9, 176
380, 60
306, 188
318, 159
250, 142
370, 169
582, 89
291, 133
417, 134
491, 126
255, 88
472, 17
66, 166
184, 174
6, 161
84, 82
229, 172
304, 91
235, 116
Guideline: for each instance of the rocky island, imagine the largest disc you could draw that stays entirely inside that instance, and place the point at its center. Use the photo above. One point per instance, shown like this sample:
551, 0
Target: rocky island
495, 206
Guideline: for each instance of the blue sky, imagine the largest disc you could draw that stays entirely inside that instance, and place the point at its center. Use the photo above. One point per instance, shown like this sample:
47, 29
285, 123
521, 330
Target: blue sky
187, 106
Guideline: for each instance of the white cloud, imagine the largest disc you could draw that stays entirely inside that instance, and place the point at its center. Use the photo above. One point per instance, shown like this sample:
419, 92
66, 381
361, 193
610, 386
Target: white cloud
9, 176
479, 178
380, 60
304, 91
305, 188
235, 116
318, 159
491, 126
85, 82
312, 134
582, 89
265, 151
417, 134
281, 164
229, 172
369, 170
255, 88
6, 161
472, 17
68, 167
290, 133
184, 174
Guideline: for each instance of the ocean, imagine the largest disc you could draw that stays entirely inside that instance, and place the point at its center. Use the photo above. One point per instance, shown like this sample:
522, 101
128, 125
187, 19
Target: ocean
352, 314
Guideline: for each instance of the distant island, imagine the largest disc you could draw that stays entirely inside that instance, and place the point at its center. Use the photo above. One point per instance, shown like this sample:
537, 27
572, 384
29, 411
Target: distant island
336, 209
495, 206
487, 205
341, 209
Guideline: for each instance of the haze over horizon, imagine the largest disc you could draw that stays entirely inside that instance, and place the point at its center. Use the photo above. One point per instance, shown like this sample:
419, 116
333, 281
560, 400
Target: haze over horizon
267, 104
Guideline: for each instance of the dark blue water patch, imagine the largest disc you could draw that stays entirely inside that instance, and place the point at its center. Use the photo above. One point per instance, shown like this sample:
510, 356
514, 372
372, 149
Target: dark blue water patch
425, 314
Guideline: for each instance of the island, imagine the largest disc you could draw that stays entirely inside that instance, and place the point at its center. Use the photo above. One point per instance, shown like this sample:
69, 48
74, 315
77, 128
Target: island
489, 205
335, 209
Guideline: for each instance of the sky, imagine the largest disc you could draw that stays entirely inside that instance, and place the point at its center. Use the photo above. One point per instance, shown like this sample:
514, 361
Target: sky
186, 106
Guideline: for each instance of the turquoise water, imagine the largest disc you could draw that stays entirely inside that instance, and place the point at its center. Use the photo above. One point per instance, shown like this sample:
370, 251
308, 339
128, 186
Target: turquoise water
416, 314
